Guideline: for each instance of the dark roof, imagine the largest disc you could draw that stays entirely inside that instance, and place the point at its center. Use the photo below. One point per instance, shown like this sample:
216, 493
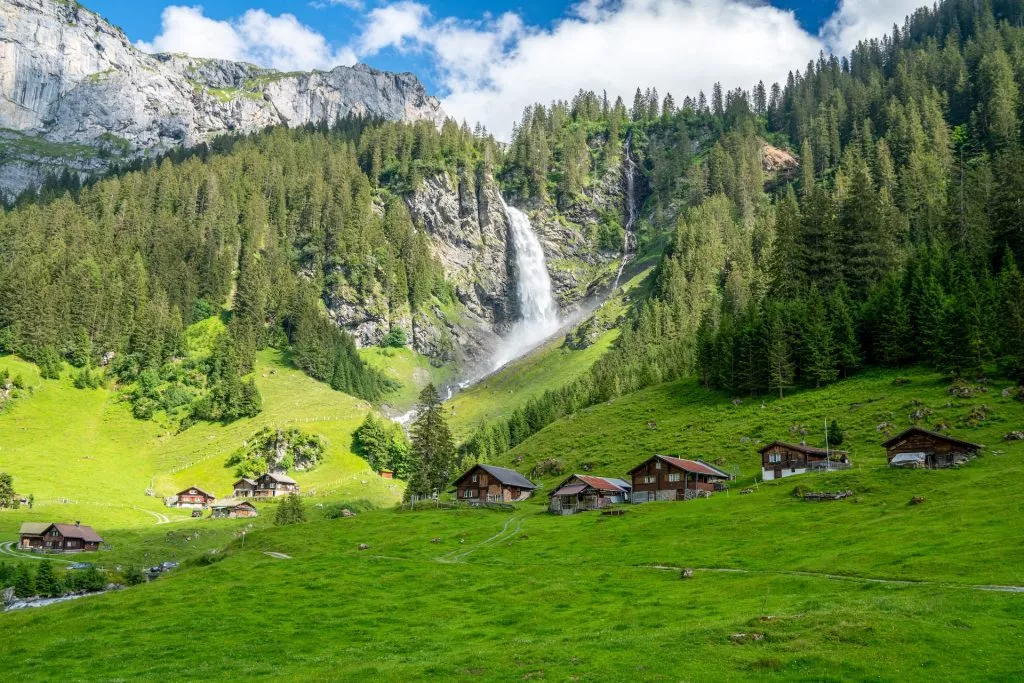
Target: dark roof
505, 476
281, 478
942, 437
248, 481
694, 466
803, 448
195, 488
81, 531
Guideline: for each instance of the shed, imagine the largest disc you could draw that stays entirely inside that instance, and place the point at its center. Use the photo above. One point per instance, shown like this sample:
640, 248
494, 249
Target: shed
917, 447
780, 459
582, 492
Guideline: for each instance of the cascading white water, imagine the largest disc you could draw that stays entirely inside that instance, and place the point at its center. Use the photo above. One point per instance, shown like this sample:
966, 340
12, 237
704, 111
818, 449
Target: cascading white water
538, 311
629, 239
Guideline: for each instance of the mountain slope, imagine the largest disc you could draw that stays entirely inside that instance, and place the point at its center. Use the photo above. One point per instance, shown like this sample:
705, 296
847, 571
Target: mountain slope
75, 93
870, 587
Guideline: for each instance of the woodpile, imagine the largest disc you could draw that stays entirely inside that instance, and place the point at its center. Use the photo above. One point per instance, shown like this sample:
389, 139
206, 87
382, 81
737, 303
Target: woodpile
827, 495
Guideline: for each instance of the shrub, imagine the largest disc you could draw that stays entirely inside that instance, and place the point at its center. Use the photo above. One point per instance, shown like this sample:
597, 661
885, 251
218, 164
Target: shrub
290, 511
91, 580
24, 582
551, 466
143, 408
395, 338
48, 584
336, 510
133, 576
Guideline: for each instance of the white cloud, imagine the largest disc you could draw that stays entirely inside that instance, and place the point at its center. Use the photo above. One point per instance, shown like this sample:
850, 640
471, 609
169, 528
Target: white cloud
350, 4
493, 68
281, 42
391, 26
857, 20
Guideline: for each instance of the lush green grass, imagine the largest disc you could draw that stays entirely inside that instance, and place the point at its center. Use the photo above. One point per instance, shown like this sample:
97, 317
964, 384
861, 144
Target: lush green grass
683, 419
84, 457
870, 587
410, 369
577, 597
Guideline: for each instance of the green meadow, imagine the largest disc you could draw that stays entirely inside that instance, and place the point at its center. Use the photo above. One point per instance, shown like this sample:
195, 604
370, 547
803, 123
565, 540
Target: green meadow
870, 587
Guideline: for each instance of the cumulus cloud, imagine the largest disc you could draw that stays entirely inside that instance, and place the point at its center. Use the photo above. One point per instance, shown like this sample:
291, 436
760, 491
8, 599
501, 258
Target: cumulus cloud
281, 42
857, 20
491, 69
392, 26
350, 4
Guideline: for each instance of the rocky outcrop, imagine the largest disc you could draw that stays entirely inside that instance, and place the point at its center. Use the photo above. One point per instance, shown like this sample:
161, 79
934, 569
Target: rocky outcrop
75, 93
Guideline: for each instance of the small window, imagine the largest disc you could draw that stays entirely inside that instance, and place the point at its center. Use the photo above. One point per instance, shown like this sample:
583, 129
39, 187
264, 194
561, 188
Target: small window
474, 478
673, 476
774, 457
657, 465
650, 479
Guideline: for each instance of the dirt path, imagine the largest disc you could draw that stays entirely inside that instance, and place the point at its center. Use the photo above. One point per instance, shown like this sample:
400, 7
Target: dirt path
513, 525
838, 577
160, 517
8, 550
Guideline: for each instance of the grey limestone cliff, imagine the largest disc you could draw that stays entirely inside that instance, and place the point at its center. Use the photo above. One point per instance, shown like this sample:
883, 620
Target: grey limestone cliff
75, 93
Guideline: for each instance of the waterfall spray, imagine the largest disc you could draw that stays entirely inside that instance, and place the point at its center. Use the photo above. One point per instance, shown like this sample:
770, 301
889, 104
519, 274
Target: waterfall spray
538, 311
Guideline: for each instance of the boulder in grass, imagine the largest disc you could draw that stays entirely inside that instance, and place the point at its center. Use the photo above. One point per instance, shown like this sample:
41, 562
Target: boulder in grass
363, 546
687, 573
917, 500
1014, 436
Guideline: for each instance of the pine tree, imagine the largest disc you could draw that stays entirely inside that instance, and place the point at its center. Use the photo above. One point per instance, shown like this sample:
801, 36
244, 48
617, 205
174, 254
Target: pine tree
433, 450
24, 582
290, 511
820, 355
780, 357
47, 583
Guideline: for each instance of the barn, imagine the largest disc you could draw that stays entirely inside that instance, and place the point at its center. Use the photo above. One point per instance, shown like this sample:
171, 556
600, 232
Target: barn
234, 509
491, 484
780, 459
919, 448
663, 477
582, 492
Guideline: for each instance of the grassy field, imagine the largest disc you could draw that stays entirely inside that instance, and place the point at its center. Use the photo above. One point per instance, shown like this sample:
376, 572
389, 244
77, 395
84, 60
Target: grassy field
866, 588
84, 457
412, 370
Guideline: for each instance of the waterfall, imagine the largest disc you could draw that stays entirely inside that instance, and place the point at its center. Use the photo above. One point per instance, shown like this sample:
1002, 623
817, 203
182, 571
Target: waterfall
537, 308
629, 239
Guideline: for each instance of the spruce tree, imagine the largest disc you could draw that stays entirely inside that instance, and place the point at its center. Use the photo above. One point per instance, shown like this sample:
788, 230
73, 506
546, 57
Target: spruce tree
820, 357
780, 357
433, 450
47, 583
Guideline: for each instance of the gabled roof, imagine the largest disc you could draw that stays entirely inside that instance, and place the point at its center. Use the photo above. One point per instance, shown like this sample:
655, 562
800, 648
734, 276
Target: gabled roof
605, 484
33, 528
942, 437
692, 466
572, 490
81, 531
803, 448
280, 478
245, 480
233, 504
505, 476
187, 492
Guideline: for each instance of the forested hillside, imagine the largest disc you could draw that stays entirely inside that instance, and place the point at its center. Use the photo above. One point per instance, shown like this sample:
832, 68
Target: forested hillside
897, 242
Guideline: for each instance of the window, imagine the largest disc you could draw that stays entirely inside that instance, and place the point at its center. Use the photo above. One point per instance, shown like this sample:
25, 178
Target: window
673, 476
474, 478
657, 465
469, 493
650, 479
774, 457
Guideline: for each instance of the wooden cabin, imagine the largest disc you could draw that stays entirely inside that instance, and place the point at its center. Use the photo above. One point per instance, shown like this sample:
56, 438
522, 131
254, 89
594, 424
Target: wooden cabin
920, 448
59, 538
273, 484
582, 492
30, 536
234, 509
490, 484
780, 459
244, 488
194, 498
662, 477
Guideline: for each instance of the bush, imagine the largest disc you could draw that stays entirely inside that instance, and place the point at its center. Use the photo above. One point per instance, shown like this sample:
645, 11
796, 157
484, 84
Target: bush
290, 511
143, 408
133, 576
90, 580
395, 339
336, 510
551, 466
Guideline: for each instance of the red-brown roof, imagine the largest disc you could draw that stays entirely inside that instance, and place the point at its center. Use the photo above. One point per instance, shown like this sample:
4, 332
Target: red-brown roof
600, 483
188, 492
692, 466
81, 531
802, 448
941, 437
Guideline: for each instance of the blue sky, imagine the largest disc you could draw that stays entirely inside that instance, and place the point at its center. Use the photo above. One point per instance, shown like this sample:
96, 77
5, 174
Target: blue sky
487, 60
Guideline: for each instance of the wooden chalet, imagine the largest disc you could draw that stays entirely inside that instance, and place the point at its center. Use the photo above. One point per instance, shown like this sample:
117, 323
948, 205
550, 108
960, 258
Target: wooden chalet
662, 477
234, 509
582, 492
920, 448
780, 459
59, 538
194, 498
273, 484
244, 488
490, 484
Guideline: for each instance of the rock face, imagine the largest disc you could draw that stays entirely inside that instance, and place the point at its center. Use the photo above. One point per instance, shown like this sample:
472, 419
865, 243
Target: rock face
74, 92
